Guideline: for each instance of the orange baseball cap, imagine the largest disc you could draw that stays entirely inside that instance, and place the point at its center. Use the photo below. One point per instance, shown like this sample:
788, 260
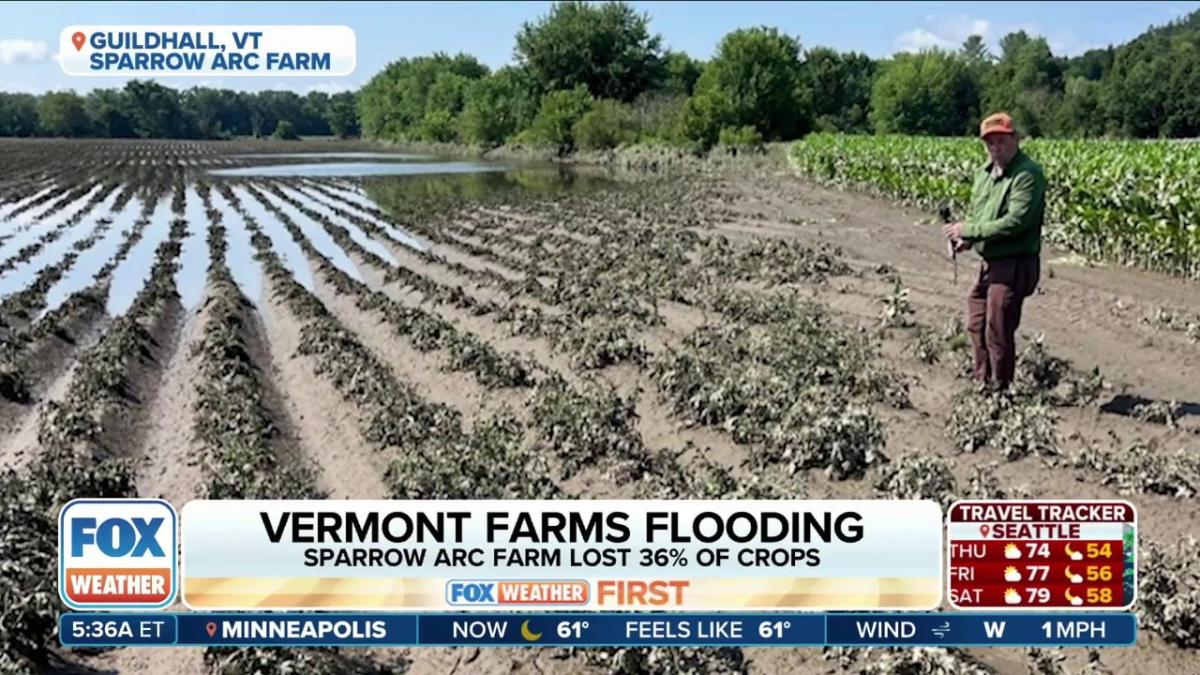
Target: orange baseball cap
996, 123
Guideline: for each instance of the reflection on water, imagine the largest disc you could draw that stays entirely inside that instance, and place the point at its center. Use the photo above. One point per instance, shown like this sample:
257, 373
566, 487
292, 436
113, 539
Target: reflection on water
351, 202
77, 205
83, 272
395, 196
359, 169
34, 232
317, 235
335, 155
361, 238
239, 256
24, 274
289, 252
193, 257
132, 273
14, 205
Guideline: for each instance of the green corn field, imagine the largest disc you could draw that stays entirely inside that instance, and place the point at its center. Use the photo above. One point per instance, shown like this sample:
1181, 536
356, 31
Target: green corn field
1131, 202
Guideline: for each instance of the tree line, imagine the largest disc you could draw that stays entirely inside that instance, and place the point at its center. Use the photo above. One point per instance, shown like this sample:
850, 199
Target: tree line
594, 76
146, 109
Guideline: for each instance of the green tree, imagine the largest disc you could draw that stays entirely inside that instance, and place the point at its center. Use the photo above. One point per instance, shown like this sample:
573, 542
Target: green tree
436, 127
447, 93
1081, 112
106, 112
395, 100
61, 113
1093, 64
680, 73
205, 107
606, 48
979, 60
556, 118
498, 106
311, 119
607, 125
754, 79
18, 114
342, 115
1138, 91
658, 117
841, 89
285, 131
930, 93
154, 110
1183, 107
1026, 82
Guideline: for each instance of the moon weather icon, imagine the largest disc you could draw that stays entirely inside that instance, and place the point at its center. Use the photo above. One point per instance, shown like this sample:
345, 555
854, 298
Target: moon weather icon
529, 635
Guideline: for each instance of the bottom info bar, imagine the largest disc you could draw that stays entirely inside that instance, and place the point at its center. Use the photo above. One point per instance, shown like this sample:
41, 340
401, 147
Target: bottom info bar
693, 555
596, 629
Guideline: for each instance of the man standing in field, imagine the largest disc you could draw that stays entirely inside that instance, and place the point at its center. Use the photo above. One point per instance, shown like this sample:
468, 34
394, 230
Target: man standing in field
1004, 226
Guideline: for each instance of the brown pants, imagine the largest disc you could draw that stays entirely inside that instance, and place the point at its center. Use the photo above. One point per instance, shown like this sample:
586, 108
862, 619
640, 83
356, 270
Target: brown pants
994, 312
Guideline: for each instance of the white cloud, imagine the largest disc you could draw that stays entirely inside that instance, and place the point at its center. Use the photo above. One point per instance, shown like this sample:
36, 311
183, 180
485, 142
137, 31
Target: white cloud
14, 51
950, 31
944, 32
918, 39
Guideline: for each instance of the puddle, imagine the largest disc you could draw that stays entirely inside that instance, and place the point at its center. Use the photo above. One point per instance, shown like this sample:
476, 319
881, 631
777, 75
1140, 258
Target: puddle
357, 204
361, 238
82, 273
24, 274
132, 273
316, 234
76, 205
33, 232
9, 207
289, 252
361, 169
193, 257
239, 257
335, 155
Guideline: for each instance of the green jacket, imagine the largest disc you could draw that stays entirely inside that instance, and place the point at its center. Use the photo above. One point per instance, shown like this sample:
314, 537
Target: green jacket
1007, 212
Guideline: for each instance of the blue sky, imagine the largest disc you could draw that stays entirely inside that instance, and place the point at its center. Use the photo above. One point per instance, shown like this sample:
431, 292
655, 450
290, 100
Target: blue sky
387, 31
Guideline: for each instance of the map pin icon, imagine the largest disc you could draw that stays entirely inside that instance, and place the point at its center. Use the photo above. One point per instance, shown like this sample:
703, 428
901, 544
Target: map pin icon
211, 628
984, 529
78, 39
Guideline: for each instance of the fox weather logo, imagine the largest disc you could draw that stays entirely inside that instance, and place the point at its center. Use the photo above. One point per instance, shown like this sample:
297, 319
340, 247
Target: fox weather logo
117, 553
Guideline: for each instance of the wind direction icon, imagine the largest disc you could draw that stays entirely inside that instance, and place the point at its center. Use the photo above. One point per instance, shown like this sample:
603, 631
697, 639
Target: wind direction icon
942, 630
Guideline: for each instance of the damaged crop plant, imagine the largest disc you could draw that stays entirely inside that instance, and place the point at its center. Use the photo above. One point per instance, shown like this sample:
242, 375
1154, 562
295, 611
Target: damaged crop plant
77, 461
435, 457
800, 389
676, 336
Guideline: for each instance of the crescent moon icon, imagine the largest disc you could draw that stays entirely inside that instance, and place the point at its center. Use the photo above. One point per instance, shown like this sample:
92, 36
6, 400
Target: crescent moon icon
528, 634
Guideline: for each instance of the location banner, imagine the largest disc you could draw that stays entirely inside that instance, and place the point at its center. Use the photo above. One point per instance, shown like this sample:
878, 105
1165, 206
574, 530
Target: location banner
289, 629
693, 555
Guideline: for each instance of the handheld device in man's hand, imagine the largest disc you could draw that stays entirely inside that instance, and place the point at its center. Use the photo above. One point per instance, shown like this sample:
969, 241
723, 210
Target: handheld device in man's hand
951, 245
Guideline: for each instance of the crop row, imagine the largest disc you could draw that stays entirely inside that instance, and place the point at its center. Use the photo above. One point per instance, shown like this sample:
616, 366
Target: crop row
433, 456
73, 463
239, 439
58, 230
843, 438
425, 330
589, 427
799, 389
81, 308
594, 342
1135, 202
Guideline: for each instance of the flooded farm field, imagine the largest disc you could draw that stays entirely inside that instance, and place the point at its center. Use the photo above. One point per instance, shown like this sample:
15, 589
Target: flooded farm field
192, 320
